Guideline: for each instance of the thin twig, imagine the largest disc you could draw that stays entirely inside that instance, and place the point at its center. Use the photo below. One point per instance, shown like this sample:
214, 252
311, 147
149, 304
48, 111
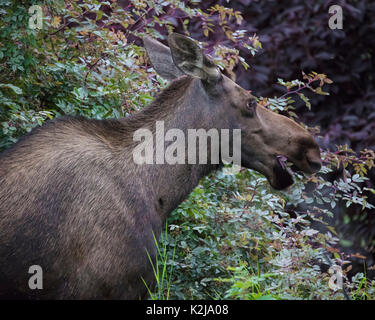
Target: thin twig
66, 24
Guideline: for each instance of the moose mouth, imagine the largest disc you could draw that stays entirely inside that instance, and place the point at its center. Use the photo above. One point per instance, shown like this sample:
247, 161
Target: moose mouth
282, 172
283, 175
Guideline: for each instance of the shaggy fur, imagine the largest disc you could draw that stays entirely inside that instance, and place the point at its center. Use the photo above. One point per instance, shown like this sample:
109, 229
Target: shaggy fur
73, 202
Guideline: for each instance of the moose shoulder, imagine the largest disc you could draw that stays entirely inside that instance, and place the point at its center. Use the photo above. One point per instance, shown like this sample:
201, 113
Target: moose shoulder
73, 201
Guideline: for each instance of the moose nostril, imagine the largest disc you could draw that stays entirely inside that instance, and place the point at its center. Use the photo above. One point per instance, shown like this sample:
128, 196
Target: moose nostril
314, 165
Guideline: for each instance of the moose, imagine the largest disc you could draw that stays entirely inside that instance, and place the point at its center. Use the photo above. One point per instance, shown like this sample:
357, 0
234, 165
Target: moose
73, 201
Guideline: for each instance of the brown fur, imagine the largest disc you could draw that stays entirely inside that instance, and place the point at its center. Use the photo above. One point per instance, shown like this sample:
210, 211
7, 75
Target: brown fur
71, 203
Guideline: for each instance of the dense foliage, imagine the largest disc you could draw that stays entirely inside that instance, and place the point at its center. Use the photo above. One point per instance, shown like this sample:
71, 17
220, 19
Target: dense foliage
234, 237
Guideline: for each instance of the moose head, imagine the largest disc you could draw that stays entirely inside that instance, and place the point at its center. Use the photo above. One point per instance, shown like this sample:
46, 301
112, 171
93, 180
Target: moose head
268, 139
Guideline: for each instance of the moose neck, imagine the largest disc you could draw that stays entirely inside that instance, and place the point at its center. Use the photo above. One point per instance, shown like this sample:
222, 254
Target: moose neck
183, 105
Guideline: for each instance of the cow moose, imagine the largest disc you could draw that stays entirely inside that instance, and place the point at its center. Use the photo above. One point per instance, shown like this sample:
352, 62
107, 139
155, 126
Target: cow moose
73, 201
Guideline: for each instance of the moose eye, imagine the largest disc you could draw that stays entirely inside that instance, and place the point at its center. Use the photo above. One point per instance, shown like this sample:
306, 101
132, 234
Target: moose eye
250, 107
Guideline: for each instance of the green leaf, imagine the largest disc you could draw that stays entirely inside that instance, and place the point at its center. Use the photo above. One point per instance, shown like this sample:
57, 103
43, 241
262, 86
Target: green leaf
305, 99
15, 89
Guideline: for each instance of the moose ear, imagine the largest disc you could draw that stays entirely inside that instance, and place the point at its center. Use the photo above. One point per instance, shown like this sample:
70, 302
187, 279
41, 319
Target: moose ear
161, 58
189, 58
